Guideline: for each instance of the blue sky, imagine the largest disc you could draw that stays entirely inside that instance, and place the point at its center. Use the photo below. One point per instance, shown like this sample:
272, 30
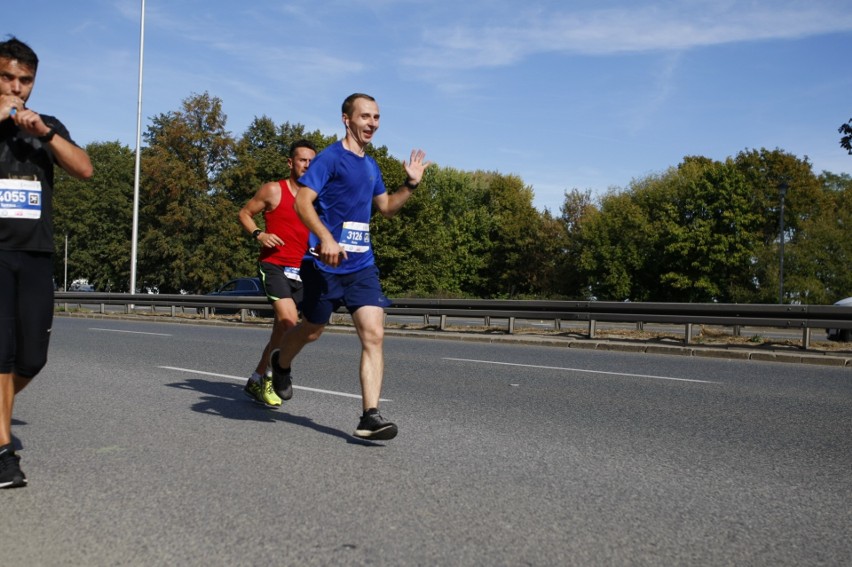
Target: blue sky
566, 94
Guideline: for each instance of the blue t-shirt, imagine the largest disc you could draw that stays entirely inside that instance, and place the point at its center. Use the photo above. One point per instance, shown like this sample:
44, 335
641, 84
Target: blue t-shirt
345, 185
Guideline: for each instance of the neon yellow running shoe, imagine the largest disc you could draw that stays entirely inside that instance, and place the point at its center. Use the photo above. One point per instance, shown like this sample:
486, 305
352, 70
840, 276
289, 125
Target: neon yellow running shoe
262, 392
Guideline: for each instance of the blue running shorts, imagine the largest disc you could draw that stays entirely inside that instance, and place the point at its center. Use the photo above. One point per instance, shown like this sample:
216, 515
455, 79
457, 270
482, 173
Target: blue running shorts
325, 292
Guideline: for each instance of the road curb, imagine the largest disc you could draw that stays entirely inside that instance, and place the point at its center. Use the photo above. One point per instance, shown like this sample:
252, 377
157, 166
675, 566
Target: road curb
841, 360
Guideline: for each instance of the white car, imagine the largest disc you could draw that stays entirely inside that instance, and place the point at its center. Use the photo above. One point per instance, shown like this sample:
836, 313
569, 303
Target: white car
841, 334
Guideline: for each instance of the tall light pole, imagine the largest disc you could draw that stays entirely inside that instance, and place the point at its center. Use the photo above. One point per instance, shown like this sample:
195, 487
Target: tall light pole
135, 232
783, 190
65, 281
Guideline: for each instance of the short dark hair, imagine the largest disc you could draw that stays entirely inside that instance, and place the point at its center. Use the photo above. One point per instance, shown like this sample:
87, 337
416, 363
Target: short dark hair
13, 48
350, 102
301, 144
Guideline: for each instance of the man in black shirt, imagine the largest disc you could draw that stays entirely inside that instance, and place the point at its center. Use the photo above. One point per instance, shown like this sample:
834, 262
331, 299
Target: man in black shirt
30, 144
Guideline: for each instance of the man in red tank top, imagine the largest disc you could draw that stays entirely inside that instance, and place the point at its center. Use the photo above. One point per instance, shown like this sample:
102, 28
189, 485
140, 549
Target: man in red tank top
283, 243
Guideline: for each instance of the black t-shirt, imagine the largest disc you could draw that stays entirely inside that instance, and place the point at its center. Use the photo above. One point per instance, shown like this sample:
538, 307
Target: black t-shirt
25, 157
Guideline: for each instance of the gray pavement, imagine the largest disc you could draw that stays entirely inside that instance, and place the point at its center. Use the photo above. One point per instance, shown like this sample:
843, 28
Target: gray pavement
141, 449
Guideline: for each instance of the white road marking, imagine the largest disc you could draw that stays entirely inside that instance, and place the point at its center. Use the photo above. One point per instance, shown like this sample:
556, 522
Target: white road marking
584, 370
130, 332
242, 379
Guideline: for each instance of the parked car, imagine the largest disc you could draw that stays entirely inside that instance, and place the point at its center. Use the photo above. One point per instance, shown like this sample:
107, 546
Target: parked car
239, 287
841, 334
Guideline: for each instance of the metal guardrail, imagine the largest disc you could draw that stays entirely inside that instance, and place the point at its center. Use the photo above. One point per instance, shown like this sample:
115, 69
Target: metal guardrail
804, 317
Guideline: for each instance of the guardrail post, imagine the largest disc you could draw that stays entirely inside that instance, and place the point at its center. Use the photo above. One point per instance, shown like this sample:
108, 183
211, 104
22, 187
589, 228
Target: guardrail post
738, 330
688, 338
103, 308
511, 325
173, 310
592, 326
443, 326
487, 321
806, 338
557, 324
640, 325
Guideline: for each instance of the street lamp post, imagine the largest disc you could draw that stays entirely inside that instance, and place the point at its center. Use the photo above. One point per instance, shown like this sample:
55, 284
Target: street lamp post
134, 237
65, 281
783, 190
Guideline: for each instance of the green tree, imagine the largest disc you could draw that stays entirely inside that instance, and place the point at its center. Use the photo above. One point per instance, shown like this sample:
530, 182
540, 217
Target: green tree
261, 155
708, 231
817, 261
614, 243
765, 173
409, 247
439, 243
685, 235
191, 239
515, 232
546, 258
96, 215
569, 279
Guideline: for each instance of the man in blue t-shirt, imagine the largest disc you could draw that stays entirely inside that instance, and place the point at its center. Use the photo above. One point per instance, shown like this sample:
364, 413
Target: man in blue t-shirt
336, 203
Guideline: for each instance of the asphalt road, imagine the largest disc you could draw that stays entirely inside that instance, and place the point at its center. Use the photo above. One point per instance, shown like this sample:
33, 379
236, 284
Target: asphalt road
141, 449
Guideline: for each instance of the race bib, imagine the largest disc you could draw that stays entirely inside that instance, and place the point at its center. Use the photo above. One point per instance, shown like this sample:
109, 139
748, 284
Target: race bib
292, 273
20, 199
355, 236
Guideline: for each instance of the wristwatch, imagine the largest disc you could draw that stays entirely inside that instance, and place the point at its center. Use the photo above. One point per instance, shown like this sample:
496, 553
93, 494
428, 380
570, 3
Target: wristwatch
47, 137
257, 232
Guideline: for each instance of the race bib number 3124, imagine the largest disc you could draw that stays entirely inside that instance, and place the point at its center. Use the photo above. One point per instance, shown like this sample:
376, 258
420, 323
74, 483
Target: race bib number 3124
20, 199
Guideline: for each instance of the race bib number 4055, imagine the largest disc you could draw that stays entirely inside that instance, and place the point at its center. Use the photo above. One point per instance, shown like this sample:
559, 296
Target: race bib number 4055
20, 199
355, 236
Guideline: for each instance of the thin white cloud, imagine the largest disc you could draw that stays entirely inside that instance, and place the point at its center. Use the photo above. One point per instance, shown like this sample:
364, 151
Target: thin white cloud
662, 26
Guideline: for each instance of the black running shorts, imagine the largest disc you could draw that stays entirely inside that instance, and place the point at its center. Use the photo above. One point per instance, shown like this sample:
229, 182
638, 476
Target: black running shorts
277, 285
26, 311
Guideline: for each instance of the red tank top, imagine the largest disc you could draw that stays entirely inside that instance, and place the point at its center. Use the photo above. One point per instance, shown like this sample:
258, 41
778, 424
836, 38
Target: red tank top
284, 222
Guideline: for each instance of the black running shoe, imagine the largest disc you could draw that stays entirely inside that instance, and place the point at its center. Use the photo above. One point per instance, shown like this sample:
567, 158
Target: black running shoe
374, 426
11, 475
282, 382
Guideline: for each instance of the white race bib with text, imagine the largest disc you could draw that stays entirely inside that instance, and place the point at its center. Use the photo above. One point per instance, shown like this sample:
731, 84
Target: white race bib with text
20, 199
355, 236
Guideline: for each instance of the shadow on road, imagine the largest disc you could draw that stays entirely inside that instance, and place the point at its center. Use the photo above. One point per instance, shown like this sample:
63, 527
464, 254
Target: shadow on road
16, 442
226, 399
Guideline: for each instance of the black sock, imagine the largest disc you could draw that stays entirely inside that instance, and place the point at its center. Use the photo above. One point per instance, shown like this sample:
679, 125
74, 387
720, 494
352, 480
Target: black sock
277, 366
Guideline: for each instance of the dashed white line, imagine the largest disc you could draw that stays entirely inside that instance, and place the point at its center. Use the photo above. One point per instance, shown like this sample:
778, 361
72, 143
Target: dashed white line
242, 379
130, 332
585, 370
